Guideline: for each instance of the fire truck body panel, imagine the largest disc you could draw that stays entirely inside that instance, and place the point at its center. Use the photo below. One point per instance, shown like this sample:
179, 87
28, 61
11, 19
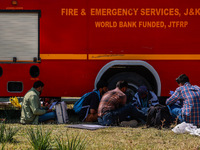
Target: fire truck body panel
80, 42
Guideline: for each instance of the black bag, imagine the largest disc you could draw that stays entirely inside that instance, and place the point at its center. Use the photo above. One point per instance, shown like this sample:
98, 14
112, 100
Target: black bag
159, 116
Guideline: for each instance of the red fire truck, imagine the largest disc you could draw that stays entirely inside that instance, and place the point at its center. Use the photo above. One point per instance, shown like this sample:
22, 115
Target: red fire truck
71, 45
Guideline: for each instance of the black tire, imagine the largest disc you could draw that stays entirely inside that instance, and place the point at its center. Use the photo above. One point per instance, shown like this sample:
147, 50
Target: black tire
134, 81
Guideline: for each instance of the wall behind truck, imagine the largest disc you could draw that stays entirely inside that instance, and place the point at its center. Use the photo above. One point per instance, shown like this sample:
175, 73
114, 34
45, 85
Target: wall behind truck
77, 38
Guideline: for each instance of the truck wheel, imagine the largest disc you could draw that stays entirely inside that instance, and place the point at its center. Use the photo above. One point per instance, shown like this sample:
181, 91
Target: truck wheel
134, 81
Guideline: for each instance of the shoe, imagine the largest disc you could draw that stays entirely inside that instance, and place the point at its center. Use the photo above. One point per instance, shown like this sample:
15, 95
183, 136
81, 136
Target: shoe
131, 123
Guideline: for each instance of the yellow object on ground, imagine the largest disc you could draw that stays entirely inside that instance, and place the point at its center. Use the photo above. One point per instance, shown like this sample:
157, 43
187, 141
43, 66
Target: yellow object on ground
14, 101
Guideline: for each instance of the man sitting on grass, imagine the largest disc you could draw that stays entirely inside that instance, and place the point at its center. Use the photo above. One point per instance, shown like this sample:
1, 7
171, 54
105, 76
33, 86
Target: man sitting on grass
190, 95
88, 112
31, 112
144, 99
112, 108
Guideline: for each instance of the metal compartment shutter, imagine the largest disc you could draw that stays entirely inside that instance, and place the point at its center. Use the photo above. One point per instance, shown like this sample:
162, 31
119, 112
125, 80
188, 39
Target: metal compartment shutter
19, 36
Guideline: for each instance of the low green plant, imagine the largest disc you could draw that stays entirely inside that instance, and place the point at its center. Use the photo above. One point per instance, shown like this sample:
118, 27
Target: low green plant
73, 143
39, 139
3, 146
7, 133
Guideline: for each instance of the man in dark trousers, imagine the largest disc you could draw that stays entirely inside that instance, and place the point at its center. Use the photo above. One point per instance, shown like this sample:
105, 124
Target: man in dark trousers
144, 99
88, 112
112, 108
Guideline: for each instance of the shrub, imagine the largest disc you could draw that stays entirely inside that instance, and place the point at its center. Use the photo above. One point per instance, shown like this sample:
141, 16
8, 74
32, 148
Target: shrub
39, 139
75, 143
7, 133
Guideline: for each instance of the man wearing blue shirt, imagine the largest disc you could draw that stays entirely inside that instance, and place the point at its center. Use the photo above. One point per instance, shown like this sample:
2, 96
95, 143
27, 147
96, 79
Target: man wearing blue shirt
190, 95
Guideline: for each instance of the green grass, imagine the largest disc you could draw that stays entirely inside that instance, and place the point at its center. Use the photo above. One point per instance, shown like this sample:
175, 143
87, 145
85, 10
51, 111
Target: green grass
74, 142
119, 138
39, 139
7, 133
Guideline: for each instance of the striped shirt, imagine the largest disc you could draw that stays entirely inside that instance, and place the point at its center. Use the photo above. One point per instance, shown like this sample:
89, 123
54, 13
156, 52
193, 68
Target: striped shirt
111, 100
191, 102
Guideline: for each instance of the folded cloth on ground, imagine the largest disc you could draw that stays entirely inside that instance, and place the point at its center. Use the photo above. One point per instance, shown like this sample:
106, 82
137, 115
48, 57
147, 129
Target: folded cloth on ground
186, 128
87, 126
195, 132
